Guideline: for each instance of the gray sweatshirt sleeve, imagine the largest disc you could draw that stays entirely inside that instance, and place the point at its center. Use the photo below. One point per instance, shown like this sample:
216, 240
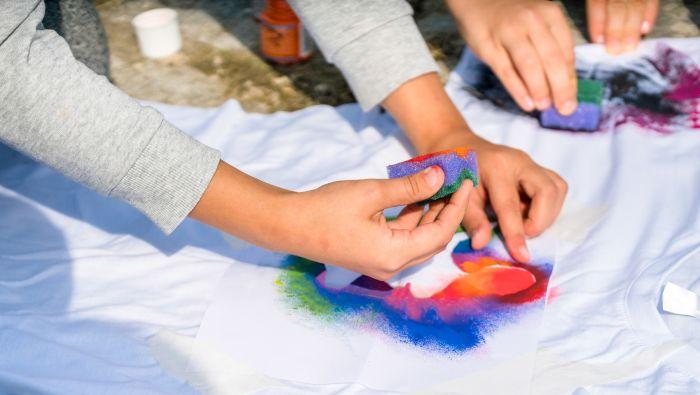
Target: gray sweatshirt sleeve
59, 112
375, 43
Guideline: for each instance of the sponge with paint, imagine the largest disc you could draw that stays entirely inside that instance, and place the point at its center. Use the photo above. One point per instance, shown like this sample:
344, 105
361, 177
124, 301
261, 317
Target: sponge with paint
458, 165
587, 115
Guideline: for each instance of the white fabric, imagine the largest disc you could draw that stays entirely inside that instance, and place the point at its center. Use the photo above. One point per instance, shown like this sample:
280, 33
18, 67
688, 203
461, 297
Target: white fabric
605, 332
86, 280
250, 321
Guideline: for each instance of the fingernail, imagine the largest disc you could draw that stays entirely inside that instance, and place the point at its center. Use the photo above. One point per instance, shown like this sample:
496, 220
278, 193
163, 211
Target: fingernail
599, 39
630, 44
529, 104
569, 107
646, 26
523, 251
543, 104
432, 176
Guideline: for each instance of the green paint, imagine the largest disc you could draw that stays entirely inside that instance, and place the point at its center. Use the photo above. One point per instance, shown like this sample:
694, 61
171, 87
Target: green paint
452, 188
297, 284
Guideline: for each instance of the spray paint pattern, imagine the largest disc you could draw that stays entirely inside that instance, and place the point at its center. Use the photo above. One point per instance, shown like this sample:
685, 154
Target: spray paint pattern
491, 293
660, 93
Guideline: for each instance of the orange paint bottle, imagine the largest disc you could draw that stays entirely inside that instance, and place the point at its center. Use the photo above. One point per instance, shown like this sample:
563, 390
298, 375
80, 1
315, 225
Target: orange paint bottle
282, 36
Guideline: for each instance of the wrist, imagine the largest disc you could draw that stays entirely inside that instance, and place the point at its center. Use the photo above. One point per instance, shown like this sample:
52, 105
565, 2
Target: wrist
448, 139
245, 207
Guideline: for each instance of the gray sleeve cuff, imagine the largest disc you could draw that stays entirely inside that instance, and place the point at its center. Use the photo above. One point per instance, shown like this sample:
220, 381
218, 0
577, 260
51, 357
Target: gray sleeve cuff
380, 61
169, 177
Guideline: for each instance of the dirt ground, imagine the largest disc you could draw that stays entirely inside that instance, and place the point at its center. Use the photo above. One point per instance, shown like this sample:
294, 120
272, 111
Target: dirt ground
220, 60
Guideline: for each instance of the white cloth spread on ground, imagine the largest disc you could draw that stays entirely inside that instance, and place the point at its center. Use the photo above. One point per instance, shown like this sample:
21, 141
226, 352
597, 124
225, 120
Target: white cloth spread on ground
85, 280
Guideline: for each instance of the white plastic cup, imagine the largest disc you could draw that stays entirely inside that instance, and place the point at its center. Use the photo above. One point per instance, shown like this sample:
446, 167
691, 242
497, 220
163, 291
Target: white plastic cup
157, 32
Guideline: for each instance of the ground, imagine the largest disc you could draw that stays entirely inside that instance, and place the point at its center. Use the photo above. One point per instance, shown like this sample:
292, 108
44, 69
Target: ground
220, 61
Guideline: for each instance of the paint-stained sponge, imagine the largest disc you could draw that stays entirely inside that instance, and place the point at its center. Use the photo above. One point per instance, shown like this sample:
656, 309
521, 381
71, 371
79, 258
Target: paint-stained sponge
586, 116
458, 165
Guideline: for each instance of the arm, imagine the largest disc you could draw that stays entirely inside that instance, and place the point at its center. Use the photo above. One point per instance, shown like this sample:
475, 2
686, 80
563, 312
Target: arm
341, 223
59, 112
374, 43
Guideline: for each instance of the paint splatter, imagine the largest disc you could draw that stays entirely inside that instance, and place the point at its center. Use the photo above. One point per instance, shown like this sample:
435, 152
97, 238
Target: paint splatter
492, 293
660, 93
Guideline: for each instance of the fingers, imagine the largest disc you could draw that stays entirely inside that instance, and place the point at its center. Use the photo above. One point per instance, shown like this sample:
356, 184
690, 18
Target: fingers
505, 71
413, 246
505, 200
407, 190
434, 236
561, 31
546, 191
476, 222
408, 218
434, 210
533, 57
558, 68
620, 24
529, 67
615, 15
650, 14
633, 24
595, 13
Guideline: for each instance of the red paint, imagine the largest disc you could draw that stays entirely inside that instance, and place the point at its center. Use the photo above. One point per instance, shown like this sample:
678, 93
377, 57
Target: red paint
461, 152
502, 280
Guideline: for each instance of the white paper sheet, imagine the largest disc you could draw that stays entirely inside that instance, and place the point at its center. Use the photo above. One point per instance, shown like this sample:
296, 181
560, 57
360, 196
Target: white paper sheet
259, 315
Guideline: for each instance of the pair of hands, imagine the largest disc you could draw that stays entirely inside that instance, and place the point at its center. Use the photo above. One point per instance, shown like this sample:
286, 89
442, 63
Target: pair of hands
529, 45
349, 229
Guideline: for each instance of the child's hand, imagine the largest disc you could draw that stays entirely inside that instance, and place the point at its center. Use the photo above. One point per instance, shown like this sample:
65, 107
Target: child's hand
343, 224
620, 23
529, 46
525, 197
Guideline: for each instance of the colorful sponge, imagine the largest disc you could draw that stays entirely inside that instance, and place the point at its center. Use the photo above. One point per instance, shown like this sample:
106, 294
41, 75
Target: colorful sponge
588, 113
458, 165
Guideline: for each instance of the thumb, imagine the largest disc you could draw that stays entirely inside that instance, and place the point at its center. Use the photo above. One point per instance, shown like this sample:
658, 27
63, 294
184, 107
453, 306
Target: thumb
411, 189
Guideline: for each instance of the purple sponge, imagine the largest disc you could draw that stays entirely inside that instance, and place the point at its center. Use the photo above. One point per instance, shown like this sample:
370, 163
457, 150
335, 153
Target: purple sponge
586, 117
458, 165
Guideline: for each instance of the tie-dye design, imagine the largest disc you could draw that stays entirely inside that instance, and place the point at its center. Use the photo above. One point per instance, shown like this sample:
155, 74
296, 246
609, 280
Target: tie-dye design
492, 293
660, 93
